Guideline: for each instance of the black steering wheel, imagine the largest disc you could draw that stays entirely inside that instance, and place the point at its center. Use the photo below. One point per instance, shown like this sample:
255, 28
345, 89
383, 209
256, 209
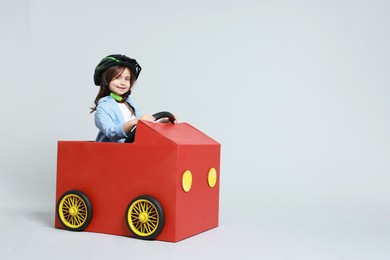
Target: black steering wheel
157, 116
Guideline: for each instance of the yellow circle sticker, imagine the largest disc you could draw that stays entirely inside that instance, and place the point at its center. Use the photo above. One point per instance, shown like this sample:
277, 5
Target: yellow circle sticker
212, 178
186, 181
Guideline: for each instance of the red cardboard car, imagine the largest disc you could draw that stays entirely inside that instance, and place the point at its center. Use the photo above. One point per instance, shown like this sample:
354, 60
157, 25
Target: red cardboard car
164, 186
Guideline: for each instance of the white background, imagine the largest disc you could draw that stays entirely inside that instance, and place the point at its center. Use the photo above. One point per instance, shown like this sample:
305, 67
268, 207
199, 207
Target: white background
297, 93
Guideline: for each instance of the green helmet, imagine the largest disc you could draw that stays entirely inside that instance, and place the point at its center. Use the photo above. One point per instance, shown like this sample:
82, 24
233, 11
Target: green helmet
116, 60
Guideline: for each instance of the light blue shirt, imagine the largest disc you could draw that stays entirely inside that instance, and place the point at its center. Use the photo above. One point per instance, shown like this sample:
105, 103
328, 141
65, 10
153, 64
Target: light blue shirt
109, 120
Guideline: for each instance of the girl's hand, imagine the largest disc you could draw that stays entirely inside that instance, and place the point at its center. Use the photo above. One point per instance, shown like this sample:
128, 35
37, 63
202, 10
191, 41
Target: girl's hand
149, 118
132, 123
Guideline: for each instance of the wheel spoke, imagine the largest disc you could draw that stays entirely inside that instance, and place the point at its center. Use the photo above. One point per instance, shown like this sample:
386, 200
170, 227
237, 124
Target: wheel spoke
151, 226
66, 204
153, 217
143, 206
141, 228
79, 218
146, 228
137, 225
136, 209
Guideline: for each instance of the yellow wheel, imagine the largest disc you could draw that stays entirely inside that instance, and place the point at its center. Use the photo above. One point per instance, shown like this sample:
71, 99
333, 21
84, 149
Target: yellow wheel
145, 217
74, 210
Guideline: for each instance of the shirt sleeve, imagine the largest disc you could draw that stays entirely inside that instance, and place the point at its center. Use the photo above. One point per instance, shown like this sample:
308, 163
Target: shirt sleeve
109, 125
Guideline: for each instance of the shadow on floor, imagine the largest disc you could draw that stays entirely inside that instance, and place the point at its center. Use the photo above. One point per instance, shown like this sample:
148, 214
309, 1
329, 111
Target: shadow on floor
44, 218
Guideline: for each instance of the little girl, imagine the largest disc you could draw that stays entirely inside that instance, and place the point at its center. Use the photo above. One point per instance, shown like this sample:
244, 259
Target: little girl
116, 113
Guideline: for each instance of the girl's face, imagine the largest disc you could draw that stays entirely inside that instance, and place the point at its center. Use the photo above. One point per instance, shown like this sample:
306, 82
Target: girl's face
120, 84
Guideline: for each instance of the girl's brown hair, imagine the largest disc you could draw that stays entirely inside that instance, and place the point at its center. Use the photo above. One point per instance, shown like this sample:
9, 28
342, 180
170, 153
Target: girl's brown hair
106, 77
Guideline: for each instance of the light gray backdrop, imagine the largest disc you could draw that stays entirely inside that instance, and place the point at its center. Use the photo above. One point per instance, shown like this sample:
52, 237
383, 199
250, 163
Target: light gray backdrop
297, 93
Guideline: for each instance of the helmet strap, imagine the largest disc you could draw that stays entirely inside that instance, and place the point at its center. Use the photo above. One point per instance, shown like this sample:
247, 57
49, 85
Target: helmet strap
117, 98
